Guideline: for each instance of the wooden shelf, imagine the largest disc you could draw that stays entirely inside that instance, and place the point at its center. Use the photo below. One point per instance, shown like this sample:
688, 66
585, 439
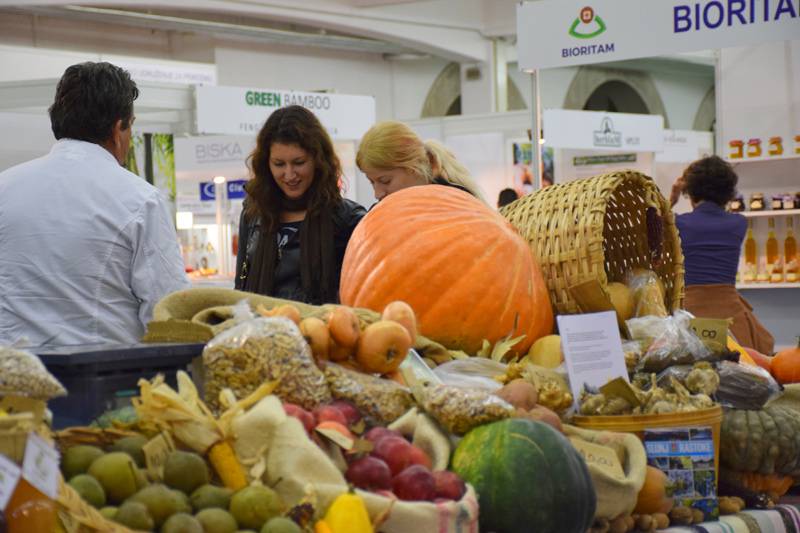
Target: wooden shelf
765, 285
771, 213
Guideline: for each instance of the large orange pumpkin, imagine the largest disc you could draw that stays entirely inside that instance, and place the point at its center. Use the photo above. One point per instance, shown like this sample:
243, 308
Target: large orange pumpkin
461, 266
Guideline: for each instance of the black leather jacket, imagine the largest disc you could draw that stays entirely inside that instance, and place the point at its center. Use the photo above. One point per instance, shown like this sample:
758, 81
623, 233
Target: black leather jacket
288, 284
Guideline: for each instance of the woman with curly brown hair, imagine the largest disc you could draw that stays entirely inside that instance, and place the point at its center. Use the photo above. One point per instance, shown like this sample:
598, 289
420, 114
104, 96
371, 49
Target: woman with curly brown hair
295, 224
711, 240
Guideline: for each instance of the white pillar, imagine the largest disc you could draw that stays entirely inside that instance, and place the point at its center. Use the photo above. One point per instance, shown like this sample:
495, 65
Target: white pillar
478, 88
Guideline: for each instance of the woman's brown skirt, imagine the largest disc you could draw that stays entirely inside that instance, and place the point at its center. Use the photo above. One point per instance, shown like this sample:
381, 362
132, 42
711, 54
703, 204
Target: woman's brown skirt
724, 301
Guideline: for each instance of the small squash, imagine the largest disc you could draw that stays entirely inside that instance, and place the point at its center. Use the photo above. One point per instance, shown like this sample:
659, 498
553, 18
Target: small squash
383, 345
316, 334
344, 326
401, 313
786, 365
653, 496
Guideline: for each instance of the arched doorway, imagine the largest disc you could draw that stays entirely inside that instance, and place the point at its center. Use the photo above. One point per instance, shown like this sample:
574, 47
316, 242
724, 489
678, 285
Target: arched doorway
444, 96
617, 97
631, 91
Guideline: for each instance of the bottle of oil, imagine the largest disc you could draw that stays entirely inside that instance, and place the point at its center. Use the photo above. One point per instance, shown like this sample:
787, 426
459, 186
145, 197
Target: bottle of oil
750, 255
774, 267
790, 258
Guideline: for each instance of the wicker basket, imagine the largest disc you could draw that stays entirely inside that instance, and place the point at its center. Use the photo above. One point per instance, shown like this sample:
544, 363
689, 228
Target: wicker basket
596, 228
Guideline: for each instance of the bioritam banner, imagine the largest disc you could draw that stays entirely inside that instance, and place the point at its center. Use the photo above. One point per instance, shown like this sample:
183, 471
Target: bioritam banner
558, 33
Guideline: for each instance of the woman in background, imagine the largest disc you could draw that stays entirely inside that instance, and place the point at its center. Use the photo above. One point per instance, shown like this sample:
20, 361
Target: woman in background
711, 240
393, 157
295, 224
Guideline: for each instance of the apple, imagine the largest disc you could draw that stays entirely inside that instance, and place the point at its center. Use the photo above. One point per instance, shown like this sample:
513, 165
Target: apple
349, 411
369, 473
306, 418
377, 433
325, 413
448, 485
415, 483
394, 451
416, 456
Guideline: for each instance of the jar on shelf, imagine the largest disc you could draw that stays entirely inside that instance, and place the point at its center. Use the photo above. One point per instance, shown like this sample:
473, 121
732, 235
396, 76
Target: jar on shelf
757, 202
788, 201
797, 200
737, 204
777, 202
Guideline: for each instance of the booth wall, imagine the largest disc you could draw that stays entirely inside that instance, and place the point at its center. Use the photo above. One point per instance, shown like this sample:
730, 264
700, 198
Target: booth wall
399, 87
759, 97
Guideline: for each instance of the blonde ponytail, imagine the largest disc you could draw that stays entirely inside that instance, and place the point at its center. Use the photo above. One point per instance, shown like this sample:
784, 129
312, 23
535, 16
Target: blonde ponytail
445, 165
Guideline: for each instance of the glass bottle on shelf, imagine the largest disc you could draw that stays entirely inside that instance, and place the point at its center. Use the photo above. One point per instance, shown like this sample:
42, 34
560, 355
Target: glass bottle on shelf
790, 258
750, 255
774, 268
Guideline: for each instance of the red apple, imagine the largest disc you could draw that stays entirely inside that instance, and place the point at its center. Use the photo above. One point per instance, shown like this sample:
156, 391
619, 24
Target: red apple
349, 411
301, 414
369, 473
415, 483
416, 456
378, 433
394, 452
449, 485
324, 413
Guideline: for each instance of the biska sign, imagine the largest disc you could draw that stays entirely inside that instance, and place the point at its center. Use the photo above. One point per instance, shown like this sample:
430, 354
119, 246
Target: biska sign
557, 33
242, 111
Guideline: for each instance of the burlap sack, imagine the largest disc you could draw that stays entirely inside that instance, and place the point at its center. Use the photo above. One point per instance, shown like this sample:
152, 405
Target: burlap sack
615, 496
198, 314
294, 465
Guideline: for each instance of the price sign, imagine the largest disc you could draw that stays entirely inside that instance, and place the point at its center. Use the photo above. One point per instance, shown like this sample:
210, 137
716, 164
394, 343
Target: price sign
9, 476
156, 451
40, 466
602, 457
710, 330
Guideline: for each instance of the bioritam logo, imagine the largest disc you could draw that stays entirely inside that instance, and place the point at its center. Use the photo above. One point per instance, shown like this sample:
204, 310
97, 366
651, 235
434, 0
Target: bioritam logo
588, 25
583, 28
606, 136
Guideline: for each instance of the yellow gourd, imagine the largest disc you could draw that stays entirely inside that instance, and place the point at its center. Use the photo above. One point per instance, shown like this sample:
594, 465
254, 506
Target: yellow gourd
347, 514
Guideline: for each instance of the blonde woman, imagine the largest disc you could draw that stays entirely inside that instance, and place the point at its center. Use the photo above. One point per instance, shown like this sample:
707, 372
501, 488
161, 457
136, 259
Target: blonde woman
393, 157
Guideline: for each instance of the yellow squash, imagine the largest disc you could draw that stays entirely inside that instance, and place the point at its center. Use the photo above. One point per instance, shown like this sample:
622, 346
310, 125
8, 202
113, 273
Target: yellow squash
347, 514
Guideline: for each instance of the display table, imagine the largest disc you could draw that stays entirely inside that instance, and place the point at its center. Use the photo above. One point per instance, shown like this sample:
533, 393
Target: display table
781, 519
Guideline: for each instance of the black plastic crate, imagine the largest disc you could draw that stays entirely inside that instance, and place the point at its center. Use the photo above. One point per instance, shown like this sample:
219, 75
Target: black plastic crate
103, 377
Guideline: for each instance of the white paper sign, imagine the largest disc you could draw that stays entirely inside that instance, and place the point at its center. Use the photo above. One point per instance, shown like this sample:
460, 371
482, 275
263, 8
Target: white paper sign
242, 111
9, 476
559, 33
592, 350
40, 465
596, 130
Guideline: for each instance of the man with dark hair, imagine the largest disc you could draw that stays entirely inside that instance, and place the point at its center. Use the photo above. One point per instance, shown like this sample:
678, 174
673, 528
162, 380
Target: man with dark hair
506, 196
88, 248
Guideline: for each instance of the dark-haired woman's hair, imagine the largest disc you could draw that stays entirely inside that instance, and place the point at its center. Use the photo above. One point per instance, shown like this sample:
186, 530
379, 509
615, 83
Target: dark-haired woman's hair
90, 99
299, 126
711, 179
296, 125
506, 196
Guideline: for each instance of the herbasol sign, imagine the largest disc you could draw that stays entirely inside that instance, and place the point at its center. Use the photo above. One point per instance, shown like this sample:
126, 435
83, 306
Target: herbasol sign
556, 33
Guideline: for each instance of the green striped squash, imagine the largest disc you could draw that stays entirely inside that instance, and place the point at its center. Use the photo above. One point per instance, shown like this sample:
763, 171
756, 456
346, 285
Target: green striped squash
528, 477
